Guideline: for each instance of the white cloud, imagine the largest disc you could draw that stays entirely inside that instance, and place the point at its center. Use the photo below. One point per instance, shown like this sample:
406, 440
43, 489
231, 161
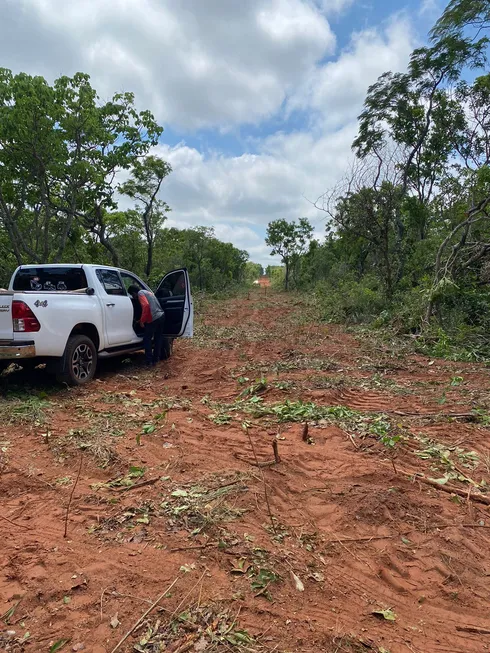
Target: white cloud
253, 189
221, 64
335, 91
196, 63
240, 195
430, 8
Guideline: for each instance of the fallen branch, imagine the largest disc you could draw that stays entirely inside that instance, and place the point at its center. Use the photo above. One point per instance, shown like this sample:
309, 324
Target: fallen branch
263, 479
152, 607
463, 473
27, 528
351, 438
193, 547
65, 534
450, 489
151, 481
256, 463
473, 629
429, 415
476, 525
366, 538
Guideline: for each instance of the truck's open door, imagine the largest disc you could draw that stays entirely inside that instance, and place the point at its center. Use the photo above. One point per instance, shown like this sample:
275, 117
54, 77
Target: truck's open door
174, 295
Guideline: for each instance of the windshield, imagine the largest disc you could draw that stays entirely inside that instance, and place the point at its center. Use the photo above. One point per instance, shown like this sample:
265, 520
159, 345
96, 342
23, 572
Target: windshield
49, 279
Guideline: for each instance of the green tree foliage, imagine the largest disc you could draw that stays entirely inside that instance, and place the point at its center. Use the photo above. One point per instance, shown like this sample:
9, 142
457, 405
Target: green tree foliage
62, 152
289, 240
143, 187
408, 233
212, 264
253, 272
462, 14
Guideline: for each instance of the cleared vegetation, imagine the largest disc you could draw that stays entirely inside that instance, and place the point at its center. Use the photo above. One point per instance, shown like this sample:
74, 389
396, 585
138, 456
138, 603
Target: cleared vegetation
304, 489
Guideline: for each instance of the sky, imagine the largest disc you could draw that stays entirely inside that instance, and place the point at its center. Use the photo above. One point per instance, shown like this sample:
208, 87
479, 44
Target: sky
258, 98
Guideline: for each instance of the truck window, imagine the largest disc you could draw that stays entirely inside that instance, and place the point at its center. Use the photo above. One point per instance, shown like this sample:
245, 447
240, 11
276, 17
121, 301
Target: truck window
129, 280
49, 279
110, 281
173, 285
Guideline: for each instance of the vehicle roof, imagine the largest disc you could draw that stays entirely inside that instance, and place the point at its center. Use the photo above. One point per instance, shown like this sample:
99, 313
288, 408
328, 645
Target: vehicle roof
78, 265
73, 265
66, 265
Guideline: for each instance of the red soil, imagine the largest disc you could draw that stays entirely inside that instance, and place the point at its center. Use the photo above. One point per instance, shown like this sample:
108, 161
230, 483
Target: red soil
359, 533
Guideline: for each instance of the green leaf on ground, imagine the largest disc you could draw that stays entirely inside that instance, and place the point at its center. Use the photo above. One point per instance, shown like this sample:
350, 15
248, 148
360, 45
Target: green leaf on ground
388, 615
57, 646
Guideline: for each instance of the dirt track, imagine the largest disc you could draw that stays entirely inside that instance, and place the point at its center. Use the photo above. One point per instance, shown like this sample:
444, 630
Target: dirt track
350, 521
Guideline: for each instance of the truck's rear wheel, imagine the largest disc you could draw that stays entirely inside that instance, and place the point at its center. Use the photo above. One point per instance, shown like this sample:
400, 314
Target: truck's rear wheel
78, 363
167, 347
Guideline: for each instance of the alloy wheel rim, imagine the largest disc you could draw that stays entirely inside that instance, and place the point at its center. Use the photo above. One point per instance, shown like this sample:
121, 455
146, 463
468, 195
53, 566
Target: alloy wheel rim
82, 362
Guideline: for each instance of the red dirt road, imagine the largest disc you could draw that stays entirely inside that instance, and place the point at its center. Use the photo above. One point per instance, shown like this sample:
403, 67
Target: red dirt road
356, 528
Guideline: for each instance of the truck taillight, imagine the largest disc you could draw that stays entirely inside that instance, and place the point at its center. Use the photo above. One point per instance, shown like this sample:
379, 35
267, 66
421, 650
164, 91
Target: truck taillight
23, 318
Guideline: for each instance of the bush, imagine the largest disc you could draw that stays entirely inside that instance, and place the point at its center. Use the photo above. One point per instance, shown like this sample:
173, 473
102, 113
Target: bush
350, 301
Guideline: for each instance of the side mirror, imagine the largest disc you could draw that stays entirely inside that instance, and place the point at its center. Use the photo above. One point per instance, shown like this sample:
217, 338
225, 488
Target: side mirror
90, 291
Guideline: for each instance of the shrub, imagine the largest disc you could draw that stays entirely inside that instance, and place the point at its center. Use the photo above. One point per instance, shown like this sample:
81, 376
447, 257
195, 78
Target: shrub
350, 301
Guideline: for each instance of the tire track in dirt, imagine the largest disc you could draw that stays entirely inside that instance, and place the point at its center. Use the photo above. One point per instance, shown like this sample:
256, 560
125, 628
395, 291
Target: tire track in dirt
328, 499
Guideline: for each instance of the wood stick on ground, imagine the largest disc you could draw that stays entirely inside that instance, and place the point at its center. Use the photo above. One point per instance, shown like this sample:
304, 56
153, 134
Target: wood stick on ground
463, 473
450, 489
275, 449
473, 629
476, 525
150, 481
305, 433
351, 438
263, 479
193, 547
267, 463
392, 458
102, 603
186, 596
366, 538
145, 614
65, 534
27, 528
429, 415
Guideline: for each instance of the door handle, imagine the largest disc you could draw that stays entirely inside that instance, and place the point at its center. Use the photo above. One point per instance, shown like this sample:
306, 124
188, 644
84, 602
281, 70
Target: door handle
110, 304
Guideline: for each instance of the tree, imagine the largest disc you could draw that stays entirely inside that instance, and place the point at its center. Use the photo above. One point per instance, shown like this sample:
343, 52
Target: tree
212, 264
60, 151
467, 240
143, 186
253, 271
372, 215
460, 14
289, 240
197, 246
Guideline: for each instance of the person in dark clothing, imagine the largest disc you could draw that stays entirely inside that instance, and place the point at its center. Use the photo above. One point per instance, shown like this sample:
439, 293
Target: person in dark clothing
152, 320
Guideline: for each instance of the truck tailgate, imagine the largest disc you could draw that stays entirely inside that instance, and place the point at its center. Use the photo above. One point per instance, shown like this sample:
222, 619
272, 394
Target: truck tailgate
6, 326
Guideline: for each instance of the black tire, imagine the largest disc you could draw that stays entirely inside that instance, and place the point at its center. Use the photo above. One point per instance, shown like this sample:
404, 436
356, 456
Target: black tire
167, 348
79, 362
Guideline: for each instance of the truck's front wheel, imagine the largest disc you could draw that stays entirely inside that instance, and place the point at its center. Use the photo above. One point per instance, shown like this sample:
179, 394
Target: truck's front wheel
78, 364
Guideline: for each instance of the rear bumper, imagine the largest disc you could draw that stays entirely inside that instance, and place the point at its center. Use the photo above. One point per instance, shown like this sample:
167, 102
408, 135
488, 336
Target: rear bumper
14, 349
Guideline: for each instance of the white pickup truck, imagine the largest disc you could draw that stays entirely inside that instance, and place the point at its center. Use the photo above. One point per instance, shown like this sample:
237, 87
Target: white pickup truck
69, 316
